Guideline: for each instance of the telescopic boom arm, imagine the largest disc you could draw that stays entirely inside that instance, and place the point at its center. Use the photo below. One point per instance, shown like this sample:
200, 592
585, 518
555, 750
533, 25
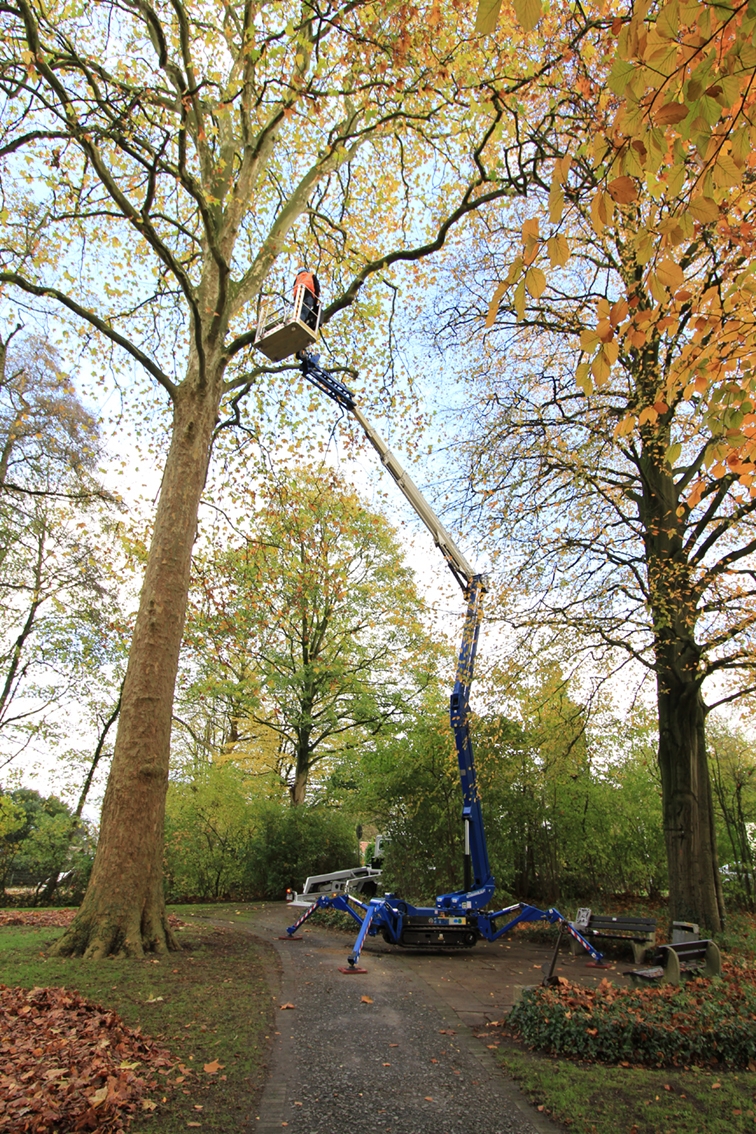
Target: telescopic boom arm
478, 881
343, 396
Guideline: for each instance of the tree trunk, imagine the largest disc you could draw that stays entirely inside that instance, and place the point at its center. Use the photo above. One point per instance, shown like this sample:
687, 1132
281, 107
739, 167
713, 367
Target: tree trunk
695, 892
124, 907
694, 887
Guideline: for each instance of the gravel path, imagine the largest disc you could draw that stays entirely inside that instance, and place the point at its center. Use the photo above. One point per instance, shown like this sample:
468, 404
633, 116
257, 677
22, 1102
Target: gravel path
375, 1053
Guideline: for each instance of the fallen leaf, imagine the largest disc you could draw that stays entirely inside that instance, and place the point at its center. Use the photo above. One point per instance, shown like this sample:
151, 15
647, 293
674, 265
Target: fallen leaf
148, 1104
213, 1067
429, 1098
98, 1098
153, 999
386, 1064
366, 1000
715, 1086
284, 1006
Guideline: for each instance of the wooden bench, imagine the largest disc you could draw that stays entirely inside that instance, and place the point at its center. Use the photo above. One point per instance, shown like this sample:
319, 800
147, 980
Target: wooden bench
639, 932
669, 962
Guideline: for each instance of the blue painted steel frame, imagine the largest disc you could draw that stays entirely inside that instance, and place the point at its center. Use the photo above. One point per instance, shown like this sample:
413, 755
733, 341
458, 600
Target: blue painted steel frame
387, 916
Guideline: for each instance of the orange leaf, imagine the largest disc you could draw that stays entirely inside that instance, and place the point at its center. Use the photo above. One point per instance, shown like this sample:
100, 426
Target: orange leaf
283, 1006
366, 1000
671, 113
623, 190
214, 1067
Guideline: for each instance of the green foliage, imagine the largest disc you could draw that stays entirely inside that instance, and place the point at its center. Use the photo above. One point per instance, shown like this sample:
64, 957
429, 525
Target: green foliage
42, 839
694, 1023
224, 839
410, 787
571, 806
307, 640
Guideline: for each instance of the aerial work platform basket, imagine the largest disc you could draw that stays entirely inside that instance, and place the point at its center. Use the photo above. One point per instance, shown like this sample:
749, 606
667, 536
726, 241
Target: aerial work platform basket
284, 328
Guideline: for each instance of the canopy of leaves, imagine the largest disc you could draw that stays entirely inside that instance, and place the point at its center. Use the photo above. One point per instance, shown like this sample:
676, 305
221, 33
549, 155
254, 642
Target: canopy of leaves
309, 638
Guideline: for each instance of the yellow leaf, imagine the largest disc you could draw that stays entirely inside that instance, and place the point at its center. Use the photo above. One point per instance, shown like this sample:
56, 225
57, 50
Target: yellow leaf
530, 229
600, 368
589, 340
487, 16
559, 250
535, 282
726, 173
562, 168
556, 202
668, 20
98, 1098
624, 427
623, 190
599, 212
647, 416
519, 299
583, 378
494, 305
515, 271
528, 13
673, 453
670, 274
611, 350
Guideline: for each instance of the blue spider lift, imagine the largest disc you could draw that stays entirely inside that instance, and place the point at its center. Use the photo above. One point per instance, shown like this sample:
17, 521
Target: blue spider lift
461, 917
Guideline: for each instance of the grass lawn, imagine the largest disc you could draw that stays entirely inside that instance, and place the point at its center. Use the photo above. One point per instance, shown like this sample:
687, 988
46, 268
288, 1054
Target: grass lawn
209, 1003
599, 1098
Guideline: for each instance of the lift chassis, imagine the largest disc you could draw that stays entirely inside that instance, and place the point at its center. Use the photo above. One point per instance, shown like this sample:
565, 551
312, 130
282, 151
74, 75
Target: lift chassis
460, 918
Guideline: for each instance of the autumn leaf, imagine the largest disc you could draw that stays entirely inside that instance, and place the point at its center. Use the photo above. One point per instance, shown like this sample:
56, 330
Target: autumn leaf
558, 249
671, 113
366, 1000
487, 16
670, 274
623, 190
214, 1067
493, 307
528, 12
704, 209
535, 282
285, 1006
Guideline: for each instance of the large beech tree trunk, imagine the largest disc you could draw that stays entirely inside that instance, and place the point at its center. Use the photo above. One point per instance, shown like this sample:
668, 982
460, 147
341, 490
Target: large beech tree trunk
695, 892
124, 907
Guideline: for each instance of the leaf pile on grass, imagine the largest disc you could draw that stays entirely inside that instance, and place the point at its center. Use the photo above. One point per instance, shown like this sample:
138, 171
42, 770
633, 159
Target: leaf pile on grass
57, 919
68, 1065
703, 1022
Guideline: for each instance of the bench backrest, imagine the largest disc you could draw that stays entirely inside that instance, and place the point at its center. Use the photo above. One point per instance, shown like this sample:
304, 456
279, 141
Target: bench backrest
627, 924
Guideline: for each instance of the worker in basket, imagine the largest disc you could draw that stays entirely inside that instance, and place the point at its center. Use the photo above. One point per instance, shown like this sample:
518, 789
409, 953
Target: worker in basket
311, 298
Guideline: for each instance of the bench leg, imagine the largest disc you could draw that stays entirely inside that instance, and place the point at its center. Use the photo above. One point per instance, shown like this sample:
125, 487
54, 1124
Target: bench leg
671, 967
640, 950
713, 960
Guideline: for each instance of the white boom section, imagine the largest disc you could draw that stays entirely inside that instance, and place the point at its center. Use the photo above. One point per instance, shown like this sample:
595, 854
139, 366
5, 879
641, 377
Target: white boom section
454, 557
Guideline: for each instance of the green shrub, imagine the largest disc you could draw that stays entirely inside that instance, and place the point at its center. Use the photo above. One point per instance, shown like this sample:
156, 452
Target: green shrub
223, 841
289, 843
703, 1022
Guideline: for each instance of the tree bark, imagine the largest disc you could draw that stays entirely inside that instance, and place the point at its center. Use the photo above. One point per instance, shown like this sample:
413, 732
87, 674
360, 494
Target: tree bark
124, 907
695, 892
